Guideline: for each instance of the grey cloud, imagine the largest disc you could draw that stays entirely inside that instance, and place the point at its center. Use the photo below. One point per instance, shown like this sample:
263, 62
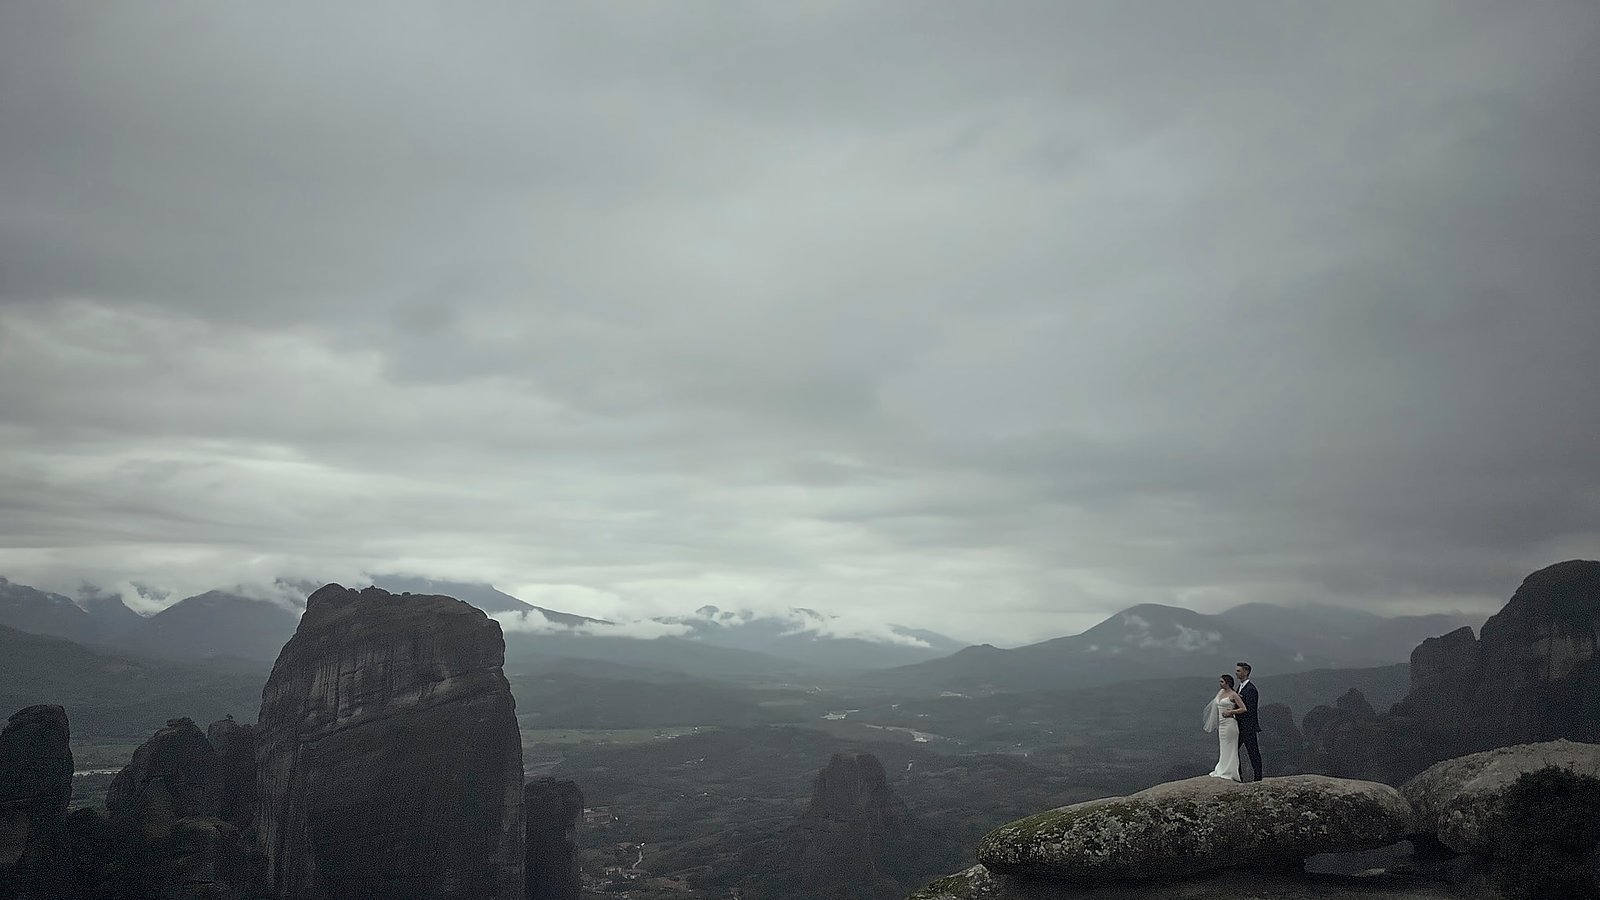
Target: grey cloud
888, 306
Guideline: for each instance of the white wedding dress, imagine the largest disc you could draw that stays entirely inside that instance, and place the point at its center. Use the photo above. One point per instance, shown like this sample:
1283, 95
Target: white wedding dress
1227, 737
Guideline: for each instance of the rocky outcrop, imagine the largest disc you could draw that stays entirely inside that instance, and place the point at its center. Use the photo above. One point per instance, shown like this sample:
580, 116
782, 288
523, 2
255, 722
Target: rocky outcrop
162, 840
203, 860
1198, 825
852, 825
173, 776
35, 788
1533, 675
1458, 799
978, 883
1440, 662
235, 746
854, 789
553, 809
1282, 744
389, 762
1350, 709
1350, 740
167, 836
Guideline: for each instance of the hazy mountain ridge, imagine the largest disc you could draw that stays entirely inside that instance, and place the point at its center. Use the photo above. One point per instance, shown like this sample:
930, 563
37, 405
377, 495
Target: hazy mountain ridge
107, 693
215, 624
98, 618
1155, 641
1351, 637
228, 623
1146, 641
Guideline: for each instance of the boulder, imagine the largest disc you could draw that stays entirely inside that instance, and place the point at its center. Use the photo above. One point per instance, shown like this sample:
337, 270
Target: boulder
1456, 800
1197, 825
389, 764
553, 809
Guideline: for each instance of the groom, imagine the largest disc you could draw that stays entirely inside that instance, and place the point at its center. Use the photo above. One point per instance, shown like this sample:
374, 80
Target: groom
1249, 724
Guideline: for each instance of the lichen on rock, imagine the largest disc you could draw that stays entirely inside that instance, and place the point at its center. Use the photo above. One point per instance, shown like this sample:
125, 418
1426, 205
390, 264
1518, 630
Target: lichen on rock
1198, 825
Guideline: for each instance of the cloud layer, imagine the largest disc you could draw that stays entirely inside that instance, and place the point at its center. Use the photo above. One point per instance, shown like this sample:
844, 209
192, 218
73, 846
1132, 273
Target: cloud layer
991, 321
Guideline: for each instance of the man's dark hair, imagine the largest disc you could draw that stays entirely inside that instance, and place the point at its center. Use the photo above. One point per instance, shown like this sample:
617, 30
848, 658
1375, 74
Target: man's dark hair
1245, 666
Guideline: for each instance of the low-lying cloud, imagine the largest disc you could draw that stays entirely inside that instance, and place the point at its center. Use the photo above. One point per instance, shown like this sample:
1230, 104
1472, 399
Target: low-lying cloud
849, 625
534, 622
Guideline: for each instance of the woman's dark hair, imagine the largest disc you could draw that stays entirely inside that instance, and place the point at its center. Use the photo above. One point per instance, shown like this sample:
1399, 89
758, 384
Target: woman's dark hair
1229, 680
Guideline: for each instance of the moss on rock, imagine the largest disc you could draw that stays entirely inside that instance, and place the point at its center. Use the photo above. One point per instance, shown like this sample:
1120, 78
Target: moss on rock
1197, 825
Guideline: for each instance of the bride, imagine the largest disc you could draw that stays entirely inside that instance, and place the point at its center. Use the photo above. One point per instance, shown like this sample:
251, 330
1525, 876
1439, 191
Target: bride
1220, 714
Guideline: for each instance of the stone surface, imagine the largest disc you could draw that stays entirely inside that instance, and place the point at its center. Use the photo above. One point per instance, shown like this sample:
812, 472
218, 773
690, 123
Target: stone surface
1197, 825
553, 809
1443, 660
1350, 740
1456, 800
173, 775
389, 762
35, 788
844, 837
978, 883
1282, 743
235, 745
1532, 675
195, 861
1278, 719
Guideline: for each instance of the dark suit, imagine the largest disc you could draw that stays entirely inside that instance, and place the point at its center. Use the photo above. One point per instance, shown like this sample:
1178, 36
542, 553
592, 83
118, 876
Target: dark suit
1249, 727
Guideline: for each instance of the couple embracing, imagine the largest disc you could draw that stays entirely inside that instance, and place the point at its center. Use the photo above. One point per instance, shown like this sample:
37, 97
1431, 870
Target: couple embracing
1232, 714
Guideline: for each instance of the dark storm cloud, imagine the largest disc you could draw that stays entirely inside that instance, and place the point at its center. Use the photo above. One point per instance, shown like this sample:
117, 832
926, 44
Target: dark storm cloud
991, 318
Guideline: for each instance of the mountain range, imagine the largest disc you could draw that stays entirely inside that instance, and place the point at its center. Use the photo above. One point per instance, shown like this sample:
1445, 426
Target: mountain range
1154, 641
223, 625
97, 619
1146, 641
110, 693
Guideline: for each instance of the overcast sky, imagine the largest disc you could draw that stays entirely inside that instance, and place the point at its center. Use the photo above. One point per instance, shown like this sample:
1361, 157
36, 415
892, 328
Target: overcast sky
992, 318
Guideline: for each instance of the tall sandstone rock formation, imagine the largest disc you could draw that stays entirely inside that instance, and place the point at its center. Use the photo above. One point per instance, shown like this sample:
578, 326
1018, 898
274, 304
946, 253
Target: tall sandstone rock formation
235, 745
554, 809
1533, 675
35, 788
848, 841
172, 776
389, 764
169, 834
